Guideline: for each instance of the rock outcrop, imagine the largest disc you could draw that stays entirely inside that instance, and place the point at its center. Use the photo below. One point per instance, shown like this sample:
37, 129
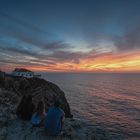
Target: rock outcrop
40, 89
8, 102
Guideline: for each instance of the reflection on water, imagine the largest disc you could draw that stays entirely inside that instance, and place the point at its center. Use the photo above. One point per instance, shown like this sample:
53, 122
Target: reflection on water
108, 100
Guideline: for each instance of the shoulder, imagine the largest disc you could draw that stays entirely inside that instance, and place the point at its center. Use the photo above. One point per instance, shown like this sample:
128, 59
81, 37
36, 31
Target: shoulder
45, 113
50, 108
34, 114
62, 112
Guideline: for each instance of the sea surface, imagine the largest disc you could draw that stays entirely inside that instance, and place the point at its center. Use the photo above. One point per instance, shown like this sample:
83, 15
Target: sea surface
111, 101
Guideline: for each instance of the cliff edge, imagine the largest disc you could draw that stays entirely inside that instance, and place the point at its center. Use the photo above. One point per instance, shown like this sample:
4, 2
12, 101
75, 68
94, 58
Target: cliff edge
40, 89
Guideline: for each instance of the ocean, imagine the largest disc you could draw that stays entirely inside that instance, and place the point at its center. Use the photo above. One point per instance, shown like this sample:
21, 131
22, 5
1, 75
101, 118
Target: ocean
111, 101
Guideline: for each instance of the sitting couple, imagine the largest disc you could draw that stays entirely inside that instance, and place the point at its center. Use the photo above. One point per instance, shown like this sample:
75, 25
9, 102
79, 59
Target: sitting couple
53, 120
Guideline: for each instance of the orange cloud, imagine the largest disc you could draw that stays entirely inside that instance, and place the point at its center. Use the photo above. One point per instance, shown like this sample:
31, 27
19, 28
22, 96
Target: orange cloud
115, 62
123, 62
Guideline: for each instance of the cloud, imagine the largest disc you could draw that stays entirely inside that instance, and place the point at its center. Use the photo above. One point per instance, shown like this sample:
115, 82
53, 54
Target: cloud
76, 57
22, 23
65, 56
17, 51
24, 36
57, 45
14, 27
129, 40
28, 56
8, 58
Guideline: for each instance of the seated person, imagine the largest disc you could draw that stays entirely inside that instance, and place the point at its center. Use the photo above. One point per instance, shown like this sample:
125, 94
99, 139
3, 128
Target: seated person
54, 120
39, 116
25, 108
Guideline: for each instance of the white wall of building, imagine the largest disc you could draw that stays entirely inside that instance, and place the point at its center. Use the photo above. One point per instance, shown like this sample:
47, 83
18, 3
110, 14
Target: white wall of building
24, 74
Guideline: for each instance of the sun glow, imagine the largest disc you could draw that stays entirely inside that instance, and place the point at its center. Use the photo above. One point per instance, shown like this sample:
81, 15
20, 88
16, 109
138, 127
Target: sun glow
124, 62
110, 62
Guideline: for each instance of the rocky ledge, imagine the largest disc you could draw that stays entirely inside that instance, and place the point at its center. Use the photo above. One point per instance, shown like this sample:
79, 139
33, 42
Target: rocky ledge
40, 89
11, 128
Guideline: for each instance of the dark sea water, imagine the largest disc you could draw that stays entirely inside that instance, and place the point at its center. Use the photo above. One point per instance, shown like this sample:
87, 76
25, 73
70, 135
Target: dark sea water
111, 101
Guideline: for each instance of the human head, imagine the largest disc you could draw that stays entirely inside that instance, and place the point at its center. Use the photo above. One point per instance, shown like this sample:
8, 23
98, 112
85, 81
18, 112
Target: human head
29, 98
56, 103
40, 107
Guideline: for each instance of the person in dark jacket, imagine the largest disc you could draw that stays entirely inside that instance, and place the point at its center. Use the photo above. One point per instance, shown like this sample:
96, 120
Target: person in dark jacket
25, 108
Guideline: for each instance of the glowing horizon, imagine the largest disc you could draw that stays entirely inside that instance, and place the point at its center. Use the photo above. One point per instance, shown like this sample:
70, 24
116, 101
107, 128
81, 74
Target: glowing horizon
126, 62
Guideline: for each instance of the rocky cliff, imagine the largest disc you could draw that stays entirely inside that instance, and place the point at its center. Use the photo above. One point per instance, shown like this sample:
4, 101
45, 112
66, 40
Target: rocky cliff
40, 89
11, 128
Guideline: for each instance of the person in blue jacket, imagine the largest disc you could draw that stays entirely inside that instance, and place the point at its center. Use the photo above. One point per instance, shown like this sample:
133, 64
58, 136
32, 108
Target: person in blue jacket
39, 116
54, 120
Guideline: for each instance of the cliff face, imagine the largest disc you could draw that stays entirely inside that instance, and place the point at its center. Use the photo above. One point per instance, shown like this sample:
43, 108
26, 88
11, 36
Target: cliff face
40, 89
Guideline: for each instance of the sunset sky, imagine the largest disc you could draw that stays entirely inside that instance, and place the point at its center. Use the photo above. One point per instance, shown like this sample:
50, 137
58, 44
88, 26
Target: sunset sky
70, 35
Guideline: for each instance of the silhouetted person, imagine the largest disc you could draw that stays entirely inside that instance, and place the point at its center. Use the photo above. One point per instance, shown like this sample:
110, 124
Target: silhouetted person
19, 107
25, 108
39, 116
54, 120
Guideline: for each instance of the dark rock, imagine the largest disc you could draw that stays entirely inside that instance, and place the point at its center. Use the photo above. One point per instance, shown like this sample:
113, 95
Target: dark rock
40, 89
